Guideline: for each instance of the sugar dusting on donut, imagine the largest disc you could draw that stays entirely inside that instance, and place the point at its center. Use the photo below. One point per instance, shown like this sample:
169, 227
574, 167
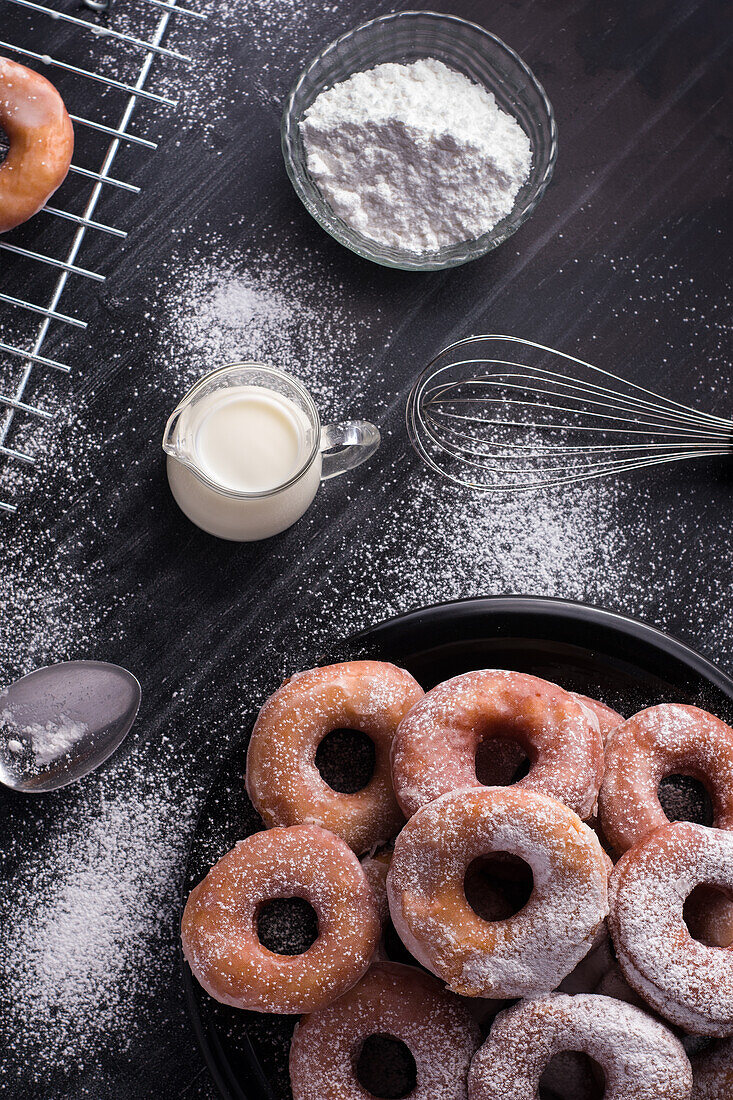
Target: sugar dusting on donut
283, 779
435, 748
531, 951
395, 1000
657, 742
219, 926
688, 982
640, 1056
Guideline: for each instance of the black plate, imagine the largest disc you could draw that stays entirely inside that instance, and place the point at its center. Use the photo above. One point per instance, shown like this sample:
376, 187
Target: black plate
626, 663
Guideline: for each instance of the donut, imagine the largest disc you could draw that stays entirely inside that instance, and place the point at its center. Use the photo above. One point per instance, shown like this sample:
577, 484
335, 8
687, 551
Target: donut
41, 142
528, 952
669, 739
608, 718
392, 1000
435, 747
283, 780
687, 982
375, 868
712, 1072
614, 984
219, 928
639, 1056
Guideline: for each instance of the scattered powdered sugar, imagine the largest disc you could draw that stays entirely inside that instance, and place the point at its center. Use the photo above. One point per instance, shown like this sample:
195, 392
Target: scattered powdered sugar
415, 156
262, 307
251, 49
88, 920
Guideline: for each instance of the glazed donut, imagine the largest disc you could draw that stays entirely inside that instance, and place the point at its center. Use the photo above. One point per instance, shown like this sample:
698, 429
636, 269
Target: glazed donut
664, 740
639, 1056
41, 137
283, 780
686, 981
534, 949
608, 718
219, 929
435, 747
712, 1072
398, 1001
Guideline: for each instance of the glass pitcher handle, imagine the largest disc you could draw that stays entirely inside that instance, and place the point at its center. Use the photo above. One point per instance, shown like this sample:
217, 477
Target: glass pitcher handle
356, 440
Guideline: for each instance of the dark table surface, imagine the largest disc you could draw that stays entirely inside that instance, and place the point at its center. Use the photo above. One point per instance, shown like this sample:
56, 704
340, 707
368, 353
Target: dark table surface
626, 262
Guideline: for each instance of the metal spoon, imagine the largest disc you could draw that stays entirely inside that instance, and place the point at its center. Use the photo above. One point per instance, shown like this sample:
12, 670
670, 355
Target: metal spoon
60, 722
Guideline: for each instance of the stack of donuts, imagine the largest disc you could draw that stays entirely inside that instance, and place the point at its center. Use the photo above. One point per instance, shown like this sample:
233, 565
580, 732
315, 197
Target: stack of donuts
629, 965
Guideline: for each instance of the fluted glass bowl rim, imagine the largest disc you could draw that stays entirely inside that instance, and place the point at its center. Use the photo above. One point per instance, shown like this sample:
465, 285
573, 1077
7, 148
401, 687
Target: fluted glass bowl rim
316, 205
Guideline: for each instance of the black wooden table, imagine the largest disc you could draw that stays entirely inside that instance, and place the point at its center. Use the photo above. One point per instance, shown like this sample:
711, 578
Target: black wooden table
625, 262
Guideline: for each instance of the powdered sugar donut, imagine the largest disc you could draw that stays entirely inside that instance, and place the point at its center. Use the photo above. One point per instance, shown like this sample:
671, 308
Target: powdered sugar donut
668, 739
640, 1058
394, 1000
219, 928
435, 747
283, 780
664, 740
712, 1072
686, 981
530, 951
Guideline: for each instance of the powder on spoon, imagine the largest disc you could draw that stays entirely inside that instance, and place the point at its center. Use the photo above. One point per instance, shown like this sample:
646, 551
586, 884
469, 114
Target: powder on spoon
416, 157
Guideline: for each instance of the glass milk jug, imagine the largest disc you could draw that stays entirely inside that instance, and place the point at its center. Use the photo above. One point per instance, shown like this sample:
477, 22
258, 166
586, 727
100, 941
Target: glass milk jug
246, 451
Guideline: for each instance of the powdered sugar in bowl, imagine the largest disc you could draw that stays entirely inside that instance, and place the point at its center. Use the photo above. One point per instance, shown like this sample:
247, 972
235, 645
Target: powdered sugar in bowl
466, 49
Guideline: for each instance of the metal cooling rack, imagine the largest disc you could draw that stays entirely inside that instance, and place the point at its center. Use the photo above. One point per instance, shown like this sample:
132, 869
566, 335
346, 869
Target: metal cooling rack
147, 49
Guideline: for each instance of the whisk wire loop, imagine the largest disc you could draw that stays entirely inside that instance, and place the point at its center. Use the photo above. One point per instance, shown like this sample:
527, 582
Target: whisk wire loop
498, 423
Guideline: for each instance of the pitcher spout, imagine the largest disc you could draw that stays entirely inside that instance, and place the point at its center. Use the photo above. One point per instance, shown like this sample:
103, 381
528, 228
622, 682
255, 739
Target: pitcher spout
175, 442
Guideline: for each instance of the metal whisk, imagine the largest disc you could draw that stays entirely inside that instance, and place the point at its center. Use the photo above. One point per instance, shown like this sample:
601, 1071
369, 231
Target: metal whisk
502, 414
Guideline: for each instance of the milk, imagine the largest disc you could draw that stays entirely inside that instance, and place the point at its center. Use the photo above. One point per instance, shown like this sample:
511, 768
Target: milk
250, 439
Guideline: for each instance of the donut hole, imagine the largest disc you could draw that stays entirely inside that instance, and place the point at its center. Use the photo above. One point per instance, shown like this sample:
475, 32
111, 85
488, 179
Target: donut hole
385, 1068
708, 914
498, 885
572, 1075
500, 762
684, 798
4, 145
287, 926
346, 760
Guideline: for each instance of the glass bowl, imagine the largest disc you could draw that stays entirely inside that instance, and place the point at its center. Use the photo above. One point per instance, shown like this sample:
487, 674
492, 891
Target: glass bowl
466, 47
